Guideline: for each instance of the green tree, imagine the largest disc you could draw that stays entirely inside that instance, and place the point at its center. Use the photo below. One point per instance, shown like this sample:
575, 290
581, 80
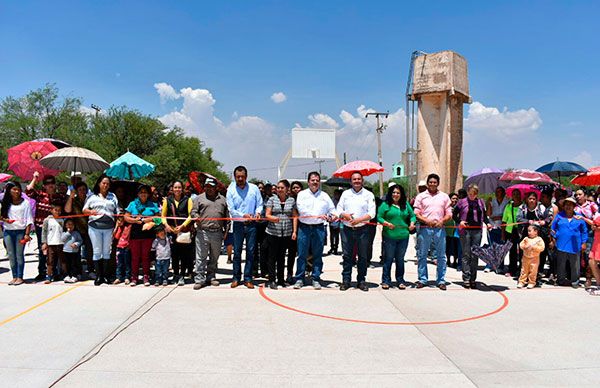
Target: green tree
42, 114
38, 114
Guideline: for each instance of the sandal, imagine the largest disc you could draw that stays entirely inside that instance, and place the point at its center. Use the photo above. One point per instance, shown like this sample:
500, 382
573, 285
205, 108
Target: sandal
385, 286
12, 282
402, 286
18, 282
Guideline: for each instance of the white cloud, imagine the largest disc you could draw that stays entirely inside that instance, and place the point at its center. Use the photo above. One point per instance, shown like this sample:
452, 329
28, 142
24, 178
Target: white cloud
86, 110
278, 97
166, 92
321, 120
585, 159
246, 139
356, 135
503, 123
489, 129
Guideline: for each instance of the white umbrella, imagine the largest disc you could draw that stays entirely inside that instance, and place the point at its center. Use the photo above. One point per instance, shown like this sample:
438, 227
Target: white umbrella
74, 159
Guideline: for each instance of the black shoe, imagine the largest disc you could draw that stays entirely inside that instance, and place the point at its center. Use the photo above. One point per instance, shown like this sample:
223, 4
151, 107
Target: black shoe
344, 286
40, 278
273, 285
363, 286
420, 285
98, 281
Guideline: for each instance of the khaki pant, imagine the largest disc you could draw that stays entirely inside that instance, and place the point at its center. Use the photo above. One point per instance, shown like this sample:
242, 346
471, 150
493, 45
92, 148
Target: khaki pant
529, 269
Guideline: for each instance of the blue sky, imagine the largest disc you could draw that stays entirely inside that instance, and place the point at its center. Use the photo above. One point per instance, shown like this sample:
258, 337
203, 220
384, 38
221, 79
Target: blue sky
534, 62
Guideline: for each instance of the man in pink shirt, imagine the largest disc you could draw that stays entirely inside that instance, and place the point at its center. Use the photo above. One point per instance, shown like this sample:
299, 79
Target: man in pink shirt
432, 208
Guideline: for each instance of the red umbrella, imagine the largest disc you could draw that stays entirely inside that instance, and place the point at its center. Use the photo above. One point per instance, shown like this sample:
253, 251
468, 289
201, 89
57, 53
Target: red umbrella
197, 179
526, 176
24, 159
365, 167
590, 178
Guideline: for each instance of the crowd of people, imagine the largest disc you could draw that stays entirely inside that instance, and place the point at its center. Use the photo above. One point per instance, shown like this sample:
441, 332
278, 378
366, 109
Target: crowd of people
284, 229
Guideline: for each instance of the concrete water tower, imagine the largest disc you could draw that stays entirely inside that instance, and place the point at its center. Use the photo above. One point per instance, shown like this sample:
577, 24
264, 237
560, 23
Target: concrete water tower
440, 86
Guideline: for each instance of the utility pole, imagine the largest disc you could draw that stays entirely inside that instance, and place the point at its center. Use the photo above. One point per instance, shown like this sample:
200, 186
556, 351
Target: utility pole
320, 162
97, 109
380, 128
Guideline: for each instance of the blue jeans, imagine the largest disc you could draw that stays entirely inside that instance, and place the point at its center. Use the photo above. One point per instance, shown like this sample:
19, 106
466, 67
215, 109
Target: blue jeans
15, 251
394, 253
310, 238
350, 238
243, 231
161, 270
437, 238
101, 242
123, 263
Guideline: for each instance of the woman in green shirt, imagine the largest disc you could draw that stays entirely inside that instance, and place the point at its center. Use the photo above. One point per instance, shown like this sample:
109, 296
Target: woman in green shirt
398, 219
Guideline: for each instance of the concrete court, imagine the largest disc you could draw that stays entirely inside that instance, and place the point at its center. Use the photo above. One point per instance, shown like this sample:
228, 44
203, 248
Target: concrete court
230, 337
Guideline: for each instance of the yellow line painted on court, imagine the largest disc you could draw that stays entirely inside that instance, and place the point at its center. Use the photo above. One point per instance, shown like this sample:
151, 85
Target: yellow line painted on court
7, 320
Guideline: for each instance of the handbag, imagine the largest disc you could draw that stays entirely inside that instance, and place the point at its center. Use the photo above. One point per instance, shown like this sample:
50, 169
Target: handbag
184, 238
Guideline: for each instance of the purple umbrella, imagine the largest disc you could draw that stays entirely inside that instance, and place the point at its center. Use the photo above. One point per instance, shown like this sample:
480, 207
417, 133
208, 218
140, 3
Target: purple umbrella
493, 254
486, 179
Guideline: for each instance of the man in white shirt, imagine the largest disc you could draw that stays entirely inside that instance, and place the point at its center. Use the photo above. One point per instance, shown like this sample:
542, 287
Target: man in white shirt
314, 209
355, 209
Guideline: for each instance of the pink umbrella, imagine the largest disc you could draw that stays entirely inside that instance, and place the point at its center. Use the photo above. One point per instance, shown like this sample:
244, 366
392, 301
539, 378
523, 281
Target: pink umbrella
4, 177
524, 189
526, 176
24, 159
365, 167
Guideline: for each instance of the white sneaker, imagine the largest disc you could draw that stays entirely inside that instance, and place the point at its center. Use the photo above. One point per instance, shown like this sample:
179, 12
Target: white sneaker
530, 286
298, 285
67, 280
486, 270
74, 279
520, 285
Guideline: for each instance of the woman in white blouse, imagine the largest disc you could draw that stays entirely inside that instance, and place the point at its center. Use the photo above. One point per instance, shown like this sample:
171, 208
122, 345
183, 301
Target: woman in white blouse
17, 218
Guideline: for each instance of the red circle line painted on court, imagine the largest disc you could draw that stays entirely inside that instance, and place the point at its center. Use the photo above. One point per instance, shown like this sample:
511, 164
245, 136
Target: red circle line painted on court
446, 322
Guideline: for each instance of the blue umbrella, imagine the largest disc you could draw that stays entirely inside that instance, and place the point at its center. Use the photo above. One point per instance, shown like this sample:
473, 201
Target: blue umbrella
559, 168
486, 179
129, 166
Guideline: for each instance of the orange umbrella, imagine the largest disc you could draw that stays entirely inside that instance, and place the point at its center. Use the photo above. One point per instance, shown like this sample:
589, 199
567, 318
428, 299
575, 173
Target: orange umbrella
590, 178
24, 159
365, 167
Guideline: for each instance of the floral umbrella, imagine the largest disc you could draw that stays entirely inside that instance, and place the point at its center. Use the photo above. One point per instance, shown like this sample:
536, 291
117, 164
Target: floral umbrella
525, 176
493, 254
24, 159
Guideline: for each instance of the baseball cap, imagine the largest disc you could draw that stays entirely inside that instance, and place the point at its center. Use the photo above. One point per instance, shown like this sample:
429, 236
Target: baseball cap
210, 182
422, 183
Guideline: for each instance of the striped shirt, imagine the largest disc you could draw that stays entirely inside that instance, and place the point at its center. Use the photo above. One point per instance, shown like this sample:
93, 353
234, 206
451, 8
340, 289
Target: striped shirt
284, 227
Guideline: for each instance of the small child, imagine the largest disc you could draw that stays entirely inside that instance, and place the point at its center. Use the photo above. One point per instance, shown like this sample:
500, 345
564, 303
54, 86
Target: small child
121, 233
52, 242
532, 246
72, 242
162, 247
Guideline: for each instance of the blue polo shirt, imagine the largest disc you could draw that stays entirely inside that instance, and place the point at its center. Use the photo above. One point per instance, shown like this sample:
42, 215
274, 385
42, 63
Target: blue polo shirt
569, 234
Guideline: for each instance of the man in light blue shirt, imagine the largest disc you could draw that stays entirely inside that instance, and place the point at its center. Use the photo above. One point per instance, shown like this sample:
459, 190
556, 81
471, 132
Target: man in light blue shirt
245, 205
